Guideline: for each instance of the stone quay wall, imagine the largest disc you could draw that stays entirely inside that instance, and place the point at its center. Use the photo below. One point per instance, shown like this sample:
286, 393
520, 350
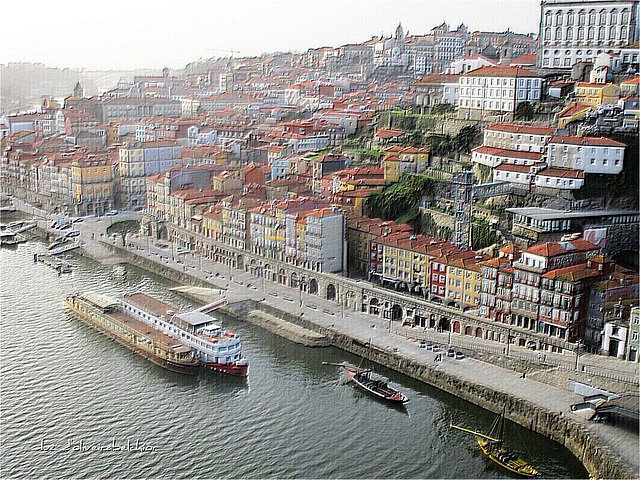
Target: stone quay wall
599, 460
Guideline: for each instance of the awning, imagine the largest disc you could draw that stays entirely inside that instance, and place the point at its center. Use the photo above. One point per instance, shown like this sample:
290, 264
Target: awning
181, 349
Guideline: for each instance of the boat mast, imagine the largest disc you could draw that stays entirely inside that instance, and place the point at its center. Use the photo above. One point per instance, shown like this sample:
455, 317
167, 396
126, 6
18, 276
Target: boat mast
501, 432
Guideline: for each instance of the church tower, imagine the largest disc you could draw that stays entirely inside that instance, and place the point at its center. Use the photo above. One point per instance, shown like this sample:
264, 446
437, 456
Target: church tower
400, 32
78, 91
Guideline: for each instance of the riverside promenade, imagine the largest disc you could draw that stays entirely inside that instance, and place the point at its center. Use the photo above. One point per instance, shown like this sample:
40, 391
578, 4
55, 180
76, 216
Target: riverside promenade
612, 451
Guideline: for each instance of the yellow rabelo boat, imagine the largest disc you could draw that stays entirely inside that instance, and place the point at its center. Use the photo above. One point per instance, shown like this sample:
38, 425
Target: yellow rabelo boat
495, 450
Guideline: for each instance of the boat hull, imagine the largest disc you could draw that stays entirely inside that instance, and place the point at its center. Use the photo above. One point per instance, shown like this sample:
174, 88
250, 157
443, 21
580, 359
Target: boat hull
394, 396
187, 368
516, 465
233, 369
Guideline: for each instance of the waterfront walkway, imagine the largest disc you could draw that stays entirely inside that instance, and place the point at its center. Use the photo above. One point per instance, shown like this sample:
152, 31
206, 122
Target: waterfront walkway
363, 327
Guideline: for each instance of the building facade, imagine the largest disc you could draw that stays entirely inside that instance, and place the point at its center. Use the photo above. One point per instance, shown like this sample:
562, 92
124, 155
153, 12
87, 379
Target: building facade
578, 31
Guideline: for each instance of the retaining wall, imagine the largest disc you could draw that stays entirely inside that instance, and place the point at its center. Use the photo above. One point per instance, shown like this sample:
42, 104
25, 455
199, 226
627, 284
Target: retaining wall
599, 461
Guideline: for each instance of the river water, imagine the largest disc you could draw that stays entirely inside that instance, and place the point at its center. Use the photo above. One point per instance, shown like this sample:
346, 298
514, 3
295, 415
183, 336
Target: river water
67, 393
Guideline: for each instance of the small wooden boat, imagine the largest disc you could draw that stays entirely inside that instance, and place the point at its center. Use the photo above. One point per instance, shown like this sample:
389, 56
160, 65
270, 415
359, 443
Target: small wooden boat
362, 378
495, 450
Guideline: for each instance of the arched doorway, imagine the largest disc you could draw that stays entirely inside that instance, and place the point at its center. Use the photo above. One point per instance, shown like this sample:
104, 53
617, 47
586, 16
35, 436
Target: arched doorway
444, 325
478, 332
432, 321
467, 330
374, 306
294, 283
282, 277
331, 292
313, 286
456, 327
240, 262
396, 313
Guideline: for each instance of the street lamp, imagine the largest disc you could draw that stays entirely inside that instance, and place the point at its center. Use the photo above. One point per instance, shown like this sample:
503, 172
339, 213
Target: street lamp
577, 350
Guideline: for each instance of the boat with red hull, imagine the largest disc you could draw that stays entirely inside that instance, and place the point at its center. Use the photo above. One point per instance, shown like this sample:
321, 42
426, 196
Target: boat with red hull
215, 348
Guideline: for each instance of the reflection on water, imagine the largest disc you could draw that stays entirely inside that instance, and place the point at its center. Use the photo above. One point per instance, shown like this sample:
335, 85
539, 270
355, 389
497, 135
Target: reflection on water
65, 384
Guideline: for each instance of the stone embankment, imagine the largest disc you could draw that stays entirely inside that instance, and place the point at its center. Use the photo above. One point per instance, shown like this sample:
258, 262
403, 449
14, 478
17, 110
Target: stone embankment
599, 460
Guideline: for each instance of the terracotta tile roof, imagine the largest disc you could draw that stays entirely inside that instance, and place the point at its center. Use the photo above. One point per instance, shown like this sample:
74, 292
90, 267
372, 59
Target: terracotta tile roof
552, 249
509, 167
524, 129
503, 152
573, 108
438, 78
572, 273
561, 172
632, 81
388, 133
501, 71
586, 141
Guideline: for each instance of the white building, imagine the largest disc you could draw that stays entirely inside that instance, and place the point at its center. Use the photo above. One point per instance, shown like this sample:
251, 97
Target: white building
512, 136
467, 64
492, 156
589, 154
521, 174
573, 31
559, 178
497, 90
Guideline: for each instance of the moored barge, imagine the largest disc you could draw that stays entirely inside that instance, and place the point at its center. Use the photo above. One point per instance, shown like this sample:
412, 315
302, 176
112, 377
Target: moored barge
192, 335
108, 316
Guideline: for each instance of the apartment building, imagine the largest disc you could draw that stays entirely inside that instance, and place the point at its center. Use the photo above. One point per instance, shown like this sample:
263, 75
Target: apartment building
573, 31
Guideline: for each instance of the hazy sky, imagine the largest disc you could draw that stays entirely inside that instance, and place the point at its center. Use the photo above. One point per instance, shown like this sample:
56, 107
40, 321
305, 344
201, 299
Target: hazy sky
117, 34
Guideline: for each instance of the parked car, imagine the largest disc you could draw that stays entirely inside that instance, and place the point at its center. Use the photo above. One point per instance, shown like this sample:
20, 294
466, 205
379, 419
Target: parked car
64, 227
459, 355
78, 220
72, 233
451, 352
422, 344
111, 213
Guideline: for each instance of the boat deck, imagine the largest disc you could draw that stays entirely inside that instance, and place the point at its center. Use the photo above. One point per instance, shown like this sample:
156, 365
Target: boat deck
144, 329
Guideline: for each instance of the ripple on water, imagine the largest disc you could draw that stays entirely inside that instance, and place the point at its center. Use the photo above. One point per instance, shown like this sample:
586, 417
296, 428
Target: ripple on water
292, 418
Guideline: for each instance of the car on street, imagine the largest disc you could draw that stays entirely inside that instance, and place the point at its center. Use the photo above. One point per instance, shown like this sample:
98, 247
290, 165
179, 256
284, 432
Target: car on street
64, 227
459, 355
111, 213
78, 220
422, 344
451, 352
72, 233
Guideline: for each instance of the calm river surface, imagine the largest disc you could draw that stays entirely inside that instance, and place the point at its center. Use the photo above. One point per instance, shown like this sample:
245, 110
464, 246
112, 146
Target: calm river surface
63, 383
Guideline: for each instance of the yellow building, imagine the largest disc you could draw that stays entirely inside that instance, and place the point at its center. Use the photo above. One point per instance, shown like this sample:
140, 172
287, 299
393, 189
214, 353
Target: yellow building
572, 112
92, 185
404, 159
596, 93
406, 261
212, 223
464, 279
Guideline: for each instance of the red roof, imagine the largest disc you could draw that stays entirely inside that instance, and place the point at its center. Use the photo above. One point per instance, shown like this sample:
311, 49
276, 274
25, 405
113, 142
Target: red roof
501, 71
514, 168
525, 59
552, 249
388, 133
561, 172
517, 128
586, 141
437, 78
503, 152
